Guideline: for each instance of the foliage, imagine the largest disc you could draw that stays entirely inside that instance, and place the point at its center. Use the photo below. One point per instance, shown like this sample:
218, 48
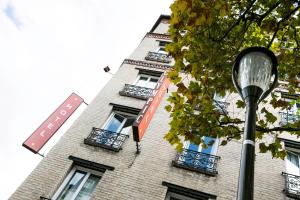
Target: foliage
207, 35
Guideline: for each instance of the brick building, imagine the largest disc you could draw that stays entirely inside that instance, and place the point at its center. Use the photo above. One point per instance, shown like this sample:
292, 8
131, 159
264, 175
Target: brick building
97, 156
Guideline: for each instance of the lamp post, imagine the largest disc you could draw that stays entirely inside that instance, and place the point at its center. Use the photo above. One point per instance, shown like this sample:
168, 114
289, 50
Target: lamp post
252, 77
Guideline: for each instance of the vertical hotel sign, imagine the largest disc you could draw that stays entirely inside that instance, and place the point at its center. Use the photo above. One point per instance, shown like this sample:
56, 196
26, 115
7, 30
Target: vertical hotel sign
49, 127
143, 119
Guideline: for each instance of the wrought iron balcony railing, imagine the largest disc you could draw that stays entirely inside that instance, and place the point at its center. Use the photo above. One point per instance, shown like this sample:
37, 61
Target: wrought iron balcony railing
221, 106
288, 117
158, 57
105, 139
136, 91
292, 185
197, 161
44, 198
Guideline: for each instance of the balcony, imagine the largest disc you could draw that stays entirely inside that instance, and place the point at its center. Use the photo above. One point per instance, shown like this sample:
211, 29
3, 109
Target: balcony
136, 92
105, 139
286, 95
158, 57
292, 185
288, 117
197, 161
221, 106
44, 198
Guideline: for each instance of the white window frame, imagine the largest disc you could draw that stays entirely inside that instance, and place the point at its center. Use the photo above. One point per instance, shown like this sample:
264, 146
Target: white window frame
112, 114
292, 169
288, 167
214, 148
293, 110
148, 79
162, 50
69, 176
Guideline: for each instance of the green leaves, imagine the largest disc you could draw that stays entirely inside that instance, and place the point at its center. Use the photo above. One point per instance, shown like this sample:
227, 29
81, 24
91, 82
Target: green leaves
174, 76
269, 116
168, 108
275, 148
240, 104
224, 142
215, 32
263, 148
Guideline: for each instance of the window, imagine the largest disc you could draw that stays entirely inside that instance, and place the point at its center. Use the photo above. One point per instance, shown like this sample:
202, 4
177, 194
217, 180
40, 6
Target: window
160, 54
146, 81
211, 143
162, 50
292, 163
119, 122
196, 158
208, 161
176, 192
292, 174
290, 115
78, 185
142, 87
115, 130
162, 47
220, 102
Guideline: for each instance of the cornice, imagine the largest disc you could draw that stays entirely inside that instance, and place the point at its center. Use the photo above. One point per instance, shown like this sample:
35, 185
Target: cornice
158, 36
147, 64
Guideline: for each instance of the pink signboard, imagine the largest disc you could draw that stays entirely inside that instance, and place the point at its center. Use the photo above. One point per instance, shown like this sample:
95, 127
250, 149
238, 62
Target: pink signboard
49, 127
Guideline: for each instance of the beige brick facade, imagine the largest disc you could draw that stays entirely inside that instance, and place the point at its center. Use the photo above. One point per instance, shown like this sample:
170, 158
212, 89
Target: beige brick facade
140, 176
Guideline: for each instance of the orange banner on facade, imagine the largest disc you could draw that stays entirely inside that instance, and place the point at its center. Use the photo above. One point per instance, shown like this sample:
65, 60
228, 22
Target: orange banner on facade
143, 119
49, 127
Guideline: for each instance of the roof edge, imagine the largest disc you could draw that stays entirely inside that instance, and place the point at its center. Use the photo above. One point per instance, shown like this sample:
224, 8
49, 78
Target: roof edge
168, 17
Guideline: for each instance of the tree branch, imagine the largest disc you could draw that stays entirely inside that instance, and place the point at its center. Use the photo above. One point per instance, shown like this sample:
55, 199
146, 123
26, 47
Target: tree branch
238, 21
290, 14
295, 35
270, 10
273, 37
278, 24
231, 122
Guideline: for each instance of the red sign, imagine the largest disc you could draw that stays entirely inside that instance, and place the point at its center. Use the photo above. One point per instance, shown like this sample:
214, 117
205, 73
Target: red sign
143, 119
41, 135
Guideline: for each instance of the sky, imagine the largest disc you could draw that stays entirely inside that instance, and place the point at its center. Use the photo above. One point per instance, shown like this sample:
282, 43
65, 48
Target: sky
51, 48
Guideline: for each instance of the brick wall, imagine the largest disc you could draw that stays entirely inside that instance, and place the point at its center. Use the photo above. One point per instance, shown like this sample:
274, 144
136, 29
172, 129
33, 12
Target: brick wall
140, 176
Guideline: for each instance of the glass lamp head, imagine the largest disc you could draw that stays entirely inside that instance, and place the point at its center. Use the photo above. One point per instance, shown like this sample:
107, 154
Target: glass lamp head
255, 67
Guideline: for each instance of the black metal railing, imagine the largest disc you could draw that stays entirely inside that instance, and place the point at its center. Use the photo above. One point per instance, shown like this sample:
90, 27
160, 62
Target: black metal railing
286, 95
292, 185
221, 106
197, 161
44, 198
105, 139
159, 57
136, 91
289, 117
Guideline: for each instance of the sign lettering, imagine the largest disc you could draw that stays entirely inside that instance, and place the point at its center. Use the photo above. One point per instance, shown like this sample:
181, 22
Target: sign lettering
49, 127
143, 119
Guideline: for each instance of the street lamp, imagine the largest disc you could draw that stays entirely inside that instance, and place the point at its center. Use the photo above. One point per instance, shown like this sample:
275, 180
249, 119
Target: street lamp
252, 77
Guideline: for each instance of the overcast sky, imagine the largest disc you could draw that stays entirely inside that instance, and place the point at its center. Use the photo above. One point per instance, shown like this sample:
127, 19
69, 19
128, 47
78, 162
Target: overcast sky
50, 49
